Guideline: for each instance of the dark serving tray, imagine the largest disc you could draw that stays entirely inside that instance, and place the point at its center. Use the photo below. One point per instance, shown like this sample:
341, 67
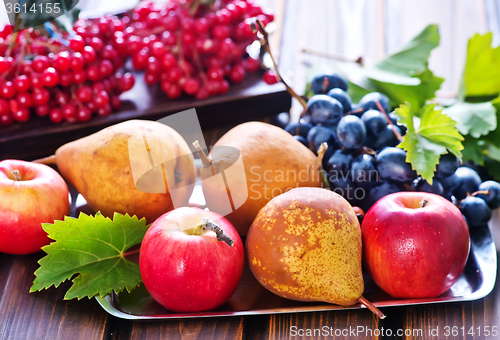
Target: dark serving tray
250, 298
251, 99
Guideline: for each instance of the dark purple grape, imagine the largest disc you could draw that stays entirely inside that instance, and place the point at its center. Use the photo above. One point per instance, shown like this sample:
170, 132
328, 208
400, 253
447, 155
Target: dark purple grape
368, 102
468, 182
302, 140
475, 210
340, 162
343, 97
375, 122
387, 138
492, 198
318, 135
351, 132
391, 165
323, 83
324, 110
303, 129
363, 171
422, 185
394, 119
448, 164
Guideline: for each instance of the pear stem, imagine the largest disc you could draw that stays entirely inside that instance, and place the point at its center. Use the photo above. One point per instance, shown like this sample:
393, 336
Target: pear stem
15, 173
46, 160
371, 307
204, 159
206, 225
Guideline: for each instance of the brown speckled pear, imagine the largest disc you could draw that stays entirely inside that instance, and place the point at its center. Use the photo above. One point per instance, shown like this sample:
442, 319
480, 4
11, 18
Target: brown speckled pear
274, 162
100, 168
305, 245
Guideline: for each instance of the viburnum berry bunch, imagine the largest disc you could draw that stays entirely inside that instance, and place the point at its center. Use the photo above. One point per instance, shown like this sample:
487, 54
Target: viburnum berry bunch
68, 79
191, 46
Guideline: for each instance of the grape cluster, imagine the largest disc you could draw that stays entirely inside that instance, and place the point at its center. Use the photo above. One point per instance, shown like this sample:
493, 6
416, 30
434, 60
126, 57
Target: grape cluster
362, 161
67, 79
190, 47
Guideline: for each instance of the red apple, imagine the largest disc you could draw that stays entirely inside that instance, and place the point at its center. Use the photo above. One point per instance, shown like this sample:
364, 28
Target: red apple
188, 271
415, 244
30, 194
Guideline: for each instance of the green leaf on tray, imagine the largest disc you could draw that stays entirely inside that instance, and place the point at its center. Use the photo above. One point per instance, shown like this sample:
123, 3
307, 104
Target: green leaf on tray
93, 247
475, 119
424, 143
481, 76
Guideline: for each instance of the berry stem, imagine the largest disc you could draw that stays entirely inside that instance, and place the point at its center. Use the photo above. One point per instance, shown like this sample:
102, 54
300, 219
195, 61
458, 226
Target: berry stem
207, 225
371, 307
484, 192
389, 121
266, 44
16, 175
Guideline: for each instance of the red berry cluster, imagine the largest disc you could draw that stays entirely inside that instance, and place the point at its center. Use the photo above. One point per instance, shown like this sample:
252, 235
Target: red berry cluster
190, 47
67, 82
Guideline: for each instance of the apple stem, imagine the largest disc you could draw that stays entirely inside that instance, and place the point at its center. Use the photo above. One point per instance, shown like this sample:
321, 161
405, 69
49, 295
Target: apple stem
46, 160
15, 173
423, 203
204, 159
362, 300
206, 225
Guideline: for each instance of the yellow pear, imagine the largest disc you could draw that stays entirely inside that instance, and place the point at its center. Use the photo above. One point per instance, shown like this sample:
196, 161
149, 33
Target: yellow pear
138, 167
259, 161
305, 245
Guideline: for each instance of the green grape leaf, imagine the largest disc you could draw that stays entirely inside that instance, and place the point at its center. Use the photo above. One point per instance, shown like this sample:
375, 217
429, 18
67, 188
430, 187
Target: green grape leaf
473, 150
412, 59
94, 248
494, 136
424, 143
481, 76
475, 119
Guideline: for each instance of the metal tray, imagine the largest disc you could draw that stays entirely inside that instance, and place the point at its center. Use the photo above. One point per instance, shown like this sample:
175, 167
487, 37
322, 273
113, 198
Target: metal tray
250, 298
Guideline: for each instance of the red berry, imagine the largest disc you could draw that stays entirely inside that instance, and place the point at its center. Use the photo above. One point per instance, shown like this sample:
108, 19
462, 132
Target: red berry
191, 86
174, 91
89, 54
79, 77
42, 110
84, 94
215, 73
154, 66
134, 44
127, 82
250, 64
158, 49
66, 78
36, 80
7, 90
140, 59
62, 98
168, 61
96, 43
56, 115
171, 23
224, 87
223, 17
25, 67
50, 77
69, 112
62, 61
83, 114
109, 53
77, 61
270, 77
116, 102
120, 46
175, 73
213, 87
6, 119
118, 25
202, 93
4, 107
77, 43
168, 39
93, 73
104, 111
187, 38
41, 96
5, 64
201, 25
21, 115
22, 83
101, 99
151, 78
24, 100
221, 32
237, 73
106, 68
